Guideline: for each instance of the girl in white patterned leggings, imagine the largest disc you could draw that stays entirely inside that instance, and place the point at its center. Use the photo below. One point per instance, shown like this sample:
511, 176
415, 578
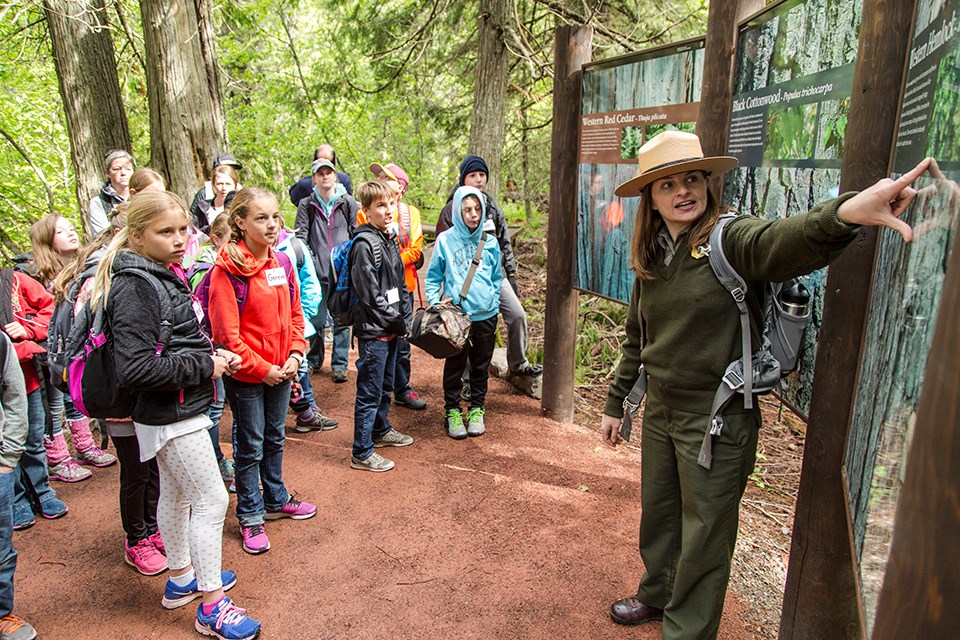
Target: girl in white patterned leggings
161, 352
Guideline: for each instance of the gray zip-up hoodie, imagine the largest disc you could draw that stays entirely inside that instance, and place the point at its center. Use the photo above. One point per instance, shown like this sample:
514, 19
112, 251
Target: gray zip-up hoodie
13, 407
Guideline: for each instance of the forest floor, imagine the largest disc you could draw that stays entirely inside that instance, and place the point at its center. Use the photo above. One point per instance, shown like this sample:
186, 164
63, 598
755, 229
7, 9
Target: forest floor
527, 532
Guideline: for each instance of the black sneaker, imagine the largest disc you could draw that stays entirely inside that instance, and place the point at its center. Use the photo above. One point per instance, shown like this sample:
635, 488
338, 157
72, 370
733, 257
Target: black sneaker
528, 370
318, 422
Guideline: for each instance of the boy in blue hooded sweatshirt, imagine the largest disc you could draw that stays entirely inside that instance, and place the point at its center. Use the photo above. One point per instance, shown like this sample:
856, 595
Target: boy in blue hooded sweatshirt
452, 256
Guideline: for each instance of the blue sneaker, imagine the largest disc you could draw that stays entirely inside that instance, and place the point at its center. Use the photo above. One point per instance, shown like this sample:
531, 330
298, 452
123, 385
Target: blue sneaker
227, 621
53, 508
175, 596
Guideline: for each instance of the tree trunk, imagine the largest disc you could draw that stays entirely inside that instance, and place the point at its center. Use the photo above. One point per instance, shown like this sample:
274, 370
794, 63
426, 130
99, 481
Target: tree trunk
90, 89
186, 115
488, 126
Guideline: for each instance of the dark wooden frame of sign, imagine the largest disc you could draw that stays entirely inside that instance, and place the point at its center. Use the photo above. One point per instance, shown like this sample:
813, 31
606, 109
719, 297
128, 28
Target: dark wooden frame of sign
822, 596
572, 48
919, 593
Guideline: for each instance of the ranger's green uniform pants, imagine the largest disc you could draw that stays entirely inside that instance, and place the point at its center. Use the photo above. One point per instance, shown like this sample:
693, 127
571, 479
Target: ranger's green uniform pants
689, 515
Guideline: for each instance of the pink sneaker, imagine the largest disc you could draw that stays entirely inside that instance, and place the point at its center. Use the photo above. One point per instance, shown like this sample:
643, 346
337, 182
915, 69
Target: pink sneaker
293, 509
157, 542
145, 558
255, 539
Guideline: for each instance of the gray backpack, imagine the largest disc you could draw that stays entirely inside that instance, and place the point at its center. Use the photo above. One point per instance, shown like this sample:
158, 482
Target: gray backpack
786, 313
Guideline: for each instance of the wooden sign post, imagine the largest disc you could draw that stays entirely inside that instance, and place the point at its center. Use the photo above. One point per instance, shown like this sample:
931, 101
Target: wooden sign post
572, 50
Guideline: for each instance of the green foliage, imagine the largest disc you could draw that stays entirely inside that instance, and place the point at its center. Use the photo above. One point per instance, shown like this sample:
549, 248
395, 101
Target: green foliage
32, 115
790, 133
945, 115
836, 129
388, 80
599, 336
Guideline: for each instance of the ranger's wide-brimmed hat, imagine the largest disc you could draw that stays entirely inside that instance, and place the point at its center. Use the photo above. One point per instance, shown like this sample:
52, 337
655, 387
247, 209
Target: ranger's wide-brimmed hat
668, 153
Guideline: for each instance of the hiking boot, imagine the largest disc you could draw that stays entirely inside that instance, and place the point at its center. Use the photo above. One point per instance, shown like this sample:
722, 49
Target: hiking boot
176, 596
318, 422
16, 628
69, 470
157, 541
465, 392
475, 425
393, 438
145, 558
375, 463
293, 509
227, 621
96, 456
53, 508
255, 539
340, 375
528, 369
411, 399
454, 424
227, 469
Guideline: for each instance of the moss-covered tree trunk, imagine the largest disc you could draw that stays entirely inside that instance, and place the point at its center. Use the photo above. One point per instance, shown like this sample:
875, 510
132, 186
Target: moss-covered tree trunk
488, 124
186, 114
89, 87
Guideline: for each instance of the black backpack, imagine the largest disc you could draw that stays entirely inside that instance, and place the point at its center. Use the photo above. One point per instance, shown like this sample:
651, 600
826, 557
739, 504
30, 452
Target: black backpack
59, 332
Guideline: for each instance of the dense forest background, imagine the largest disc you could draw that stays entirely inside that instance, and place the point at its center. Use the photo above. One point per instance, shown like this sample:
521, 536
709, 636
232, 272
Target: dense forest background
177, 81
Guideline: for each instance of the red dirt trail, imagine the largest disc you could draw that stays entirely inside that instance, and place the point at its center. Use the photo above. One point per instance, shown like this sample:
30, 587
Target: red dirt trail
529, 531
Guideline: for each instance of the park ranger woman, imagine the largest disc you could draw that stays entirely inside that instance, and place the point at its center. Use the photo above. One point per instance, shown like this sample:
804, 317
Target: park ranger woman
684, 327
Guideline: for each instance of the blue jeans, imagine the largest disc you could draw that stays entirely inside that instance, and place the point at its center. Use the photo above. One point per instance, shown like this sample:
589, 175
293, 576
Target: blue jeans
33, 462
341, 338
8, 557
401, 375
261, 412
376, 363
215, 412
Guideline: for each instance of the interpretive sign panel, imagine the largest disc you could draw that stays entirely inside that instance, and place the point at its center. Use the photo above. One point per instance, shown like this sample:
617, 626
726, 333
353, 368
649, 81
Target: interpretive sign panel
626, 101
793, 78
906, 293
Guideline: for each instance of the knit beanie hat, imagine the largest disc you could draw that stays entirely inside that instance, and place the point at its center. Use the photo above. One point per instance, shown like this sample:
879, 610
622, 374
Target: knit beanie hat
470, 164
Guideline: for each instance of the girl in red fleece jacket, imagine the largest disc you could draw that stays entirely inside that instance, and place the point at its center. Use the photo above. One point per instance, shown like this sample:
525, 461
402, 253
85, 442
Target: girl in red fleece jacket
268, 337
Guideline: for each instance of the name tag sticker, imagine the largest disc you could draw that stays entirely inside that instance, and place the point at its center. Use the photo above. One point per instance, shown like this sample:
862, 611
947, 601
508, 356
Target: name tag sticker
276, 277
488, 225
198, 310
393, 295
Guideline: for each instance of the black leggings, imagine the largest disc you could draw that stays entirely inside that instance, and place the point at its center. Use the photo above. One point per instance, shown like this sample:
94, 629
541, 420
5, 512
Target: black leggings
139, 490
480, 351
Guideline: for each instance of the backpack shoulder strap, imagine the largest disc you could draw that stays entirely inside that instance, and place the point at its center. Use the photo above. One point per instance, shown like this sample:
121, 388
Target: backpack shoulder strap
166, 307
374, 243
737, 286
284, 261
4, 345
473, 266
6, 296
297, 245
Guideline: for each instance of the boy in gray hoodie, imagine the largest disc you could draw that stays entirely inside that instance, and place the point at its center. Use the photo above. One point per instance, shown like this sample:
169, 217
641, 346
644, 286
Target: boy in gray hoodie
13, 437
